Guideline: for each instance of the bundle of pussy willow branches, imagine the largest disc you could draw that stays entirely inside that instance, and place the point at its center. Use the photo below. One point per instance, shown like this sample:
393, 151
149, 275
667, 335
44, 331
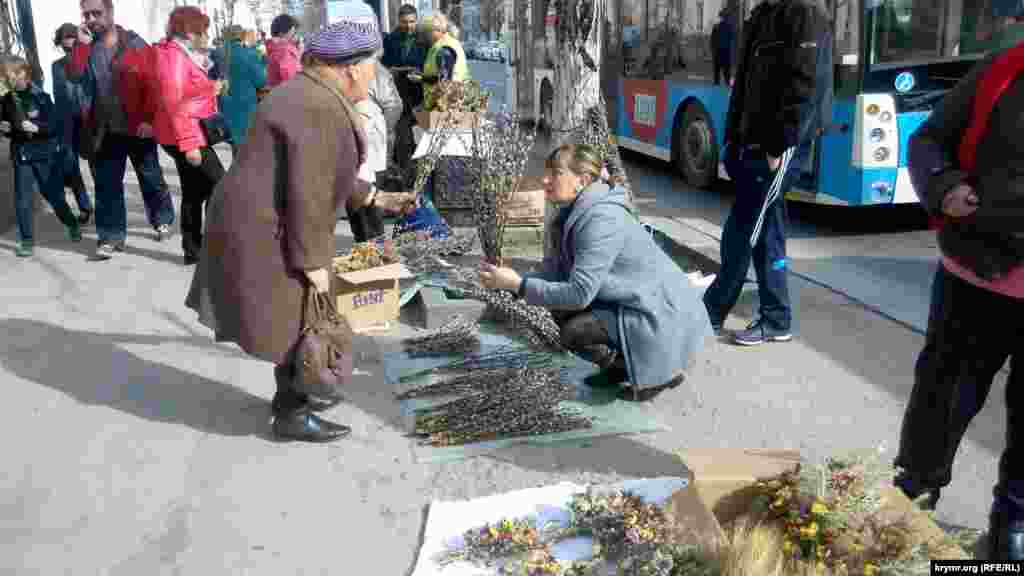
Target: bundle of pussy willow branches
500, 153
535, 323
525, 405
424, 253
503, 357
459, 335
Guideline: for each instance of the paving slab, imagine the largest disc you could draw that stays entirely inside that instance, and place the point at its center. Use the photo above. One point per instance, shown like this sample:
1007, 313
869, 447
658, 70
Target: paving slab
133, 444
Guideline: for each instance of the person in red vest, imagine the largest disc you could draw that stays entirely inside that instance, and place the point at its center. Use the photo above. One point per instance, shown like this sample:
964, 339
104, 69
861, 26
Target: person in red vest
965, 162
113, 66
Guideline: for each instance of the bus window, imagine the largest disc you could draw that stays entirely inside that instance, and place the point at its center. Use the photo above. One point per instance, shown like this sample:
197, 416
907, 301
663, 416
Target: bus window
634, 37
913, 32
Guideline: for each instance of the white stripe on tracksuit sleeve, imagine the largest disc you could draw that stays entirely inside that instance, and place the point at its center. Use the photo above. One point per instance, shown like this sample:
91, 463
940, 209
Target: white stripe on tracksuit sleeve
774, 191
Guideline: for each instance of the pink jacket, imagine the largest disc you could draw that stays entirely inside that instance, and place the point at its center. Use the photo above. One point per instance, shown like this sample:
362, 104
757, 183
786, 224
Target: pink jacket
283, 61
186, 95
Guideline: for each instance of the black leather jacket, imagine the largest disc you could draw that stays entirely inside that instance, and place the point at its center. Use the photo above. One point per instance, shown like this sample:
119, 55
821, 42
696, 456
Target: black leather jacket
782, 94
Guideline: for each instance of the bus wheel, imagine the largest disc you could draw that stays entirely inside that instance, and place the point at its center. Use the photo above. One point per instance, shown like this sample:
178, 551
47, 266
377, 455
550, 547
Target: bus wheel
696, 153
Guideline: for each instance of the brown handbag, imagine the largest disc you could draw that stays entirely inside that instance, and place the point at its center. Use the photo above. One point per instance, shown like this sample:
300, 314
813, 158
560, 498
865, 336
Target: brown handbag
323, 355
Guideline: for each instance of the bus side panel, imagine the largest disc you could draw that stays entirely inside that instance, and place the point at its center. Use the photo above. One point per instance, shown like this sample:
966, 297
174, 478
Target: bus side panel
839, 181
647, 110
642, 117
906, 124
714, 100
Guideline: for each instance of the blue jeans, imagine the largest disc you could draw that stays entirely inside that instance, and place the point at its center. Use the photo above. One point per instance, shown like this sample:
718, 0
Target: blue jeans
110, 164
755, 230
29, 177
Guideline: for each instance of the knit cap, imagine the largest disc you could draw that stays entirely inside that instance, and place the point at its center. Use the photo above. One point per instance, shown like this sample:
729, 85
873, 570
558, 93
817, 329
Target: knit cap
352, 35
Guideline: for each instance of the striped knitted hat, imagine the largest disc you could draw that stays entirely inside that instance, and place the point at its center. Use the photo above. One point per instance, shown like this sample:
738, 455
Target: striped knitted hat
353, 35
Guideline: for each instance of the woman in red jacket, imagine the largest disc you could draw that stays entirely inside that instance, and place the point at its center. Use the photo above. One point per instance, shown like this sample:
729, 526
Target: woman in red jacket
186, 96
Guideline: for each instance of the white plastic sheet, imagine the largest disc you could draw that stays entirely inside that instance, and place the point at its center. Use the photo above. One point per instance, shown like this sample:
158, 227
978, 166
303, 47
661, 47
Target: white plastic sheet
447, 521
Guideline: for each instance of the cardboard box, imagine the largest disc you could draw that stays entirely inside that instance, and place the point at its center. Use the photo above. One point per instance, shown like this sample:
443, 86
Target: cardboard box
369, 299
721, 482
458, 120
526, 207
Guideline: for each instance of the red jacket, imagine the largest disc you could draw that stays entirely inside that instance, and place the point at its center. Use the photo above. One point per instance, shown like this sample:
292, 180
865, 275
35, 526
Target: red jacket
186, 95
131, 71
283, 61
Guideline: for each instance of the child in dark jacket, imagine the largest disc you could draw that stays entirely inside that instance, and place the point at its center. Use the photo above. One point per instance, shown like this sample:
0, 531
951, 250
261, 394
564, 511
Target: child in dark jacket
26, 113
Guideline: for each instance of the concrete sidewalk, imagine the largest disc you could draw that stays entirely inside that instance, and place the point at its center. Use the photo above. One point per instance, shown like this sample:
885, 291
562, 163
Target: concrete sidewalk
135, 445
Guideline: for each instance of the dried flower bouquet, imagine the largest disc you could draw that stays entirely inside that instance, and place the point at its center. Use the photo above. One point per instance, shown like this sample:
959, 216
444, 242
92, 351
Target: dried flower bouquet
364, 256
628, 533
456, 96
829, 519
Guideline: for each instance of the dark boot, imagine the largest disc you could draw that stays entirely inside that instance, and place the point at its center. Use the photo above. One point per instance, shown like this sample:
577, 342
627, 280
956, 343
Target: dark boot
633, 394
926, 498
1006, 530
1006, 519
305, 426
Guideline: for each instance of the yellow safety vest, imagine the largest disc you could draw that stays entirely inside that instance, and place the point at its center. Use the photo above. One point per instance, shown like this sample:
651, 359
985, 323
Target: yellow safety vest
460, 73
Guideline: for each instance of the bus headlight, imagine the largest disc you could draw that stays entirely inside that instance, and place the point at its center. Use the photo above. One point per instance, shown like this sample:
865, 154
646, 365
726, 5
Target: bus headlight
876, 138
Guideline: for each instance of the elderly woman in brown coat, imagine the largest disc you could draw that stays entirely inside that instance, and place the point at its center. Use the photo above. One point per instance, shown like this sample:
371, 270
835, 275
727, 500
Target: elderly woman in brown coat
270, 231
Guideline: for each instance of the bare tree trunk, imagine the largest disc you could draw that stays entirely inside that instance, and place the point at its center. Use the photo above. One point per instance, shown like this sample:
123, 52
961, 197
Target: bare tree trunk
6, 26
579, 112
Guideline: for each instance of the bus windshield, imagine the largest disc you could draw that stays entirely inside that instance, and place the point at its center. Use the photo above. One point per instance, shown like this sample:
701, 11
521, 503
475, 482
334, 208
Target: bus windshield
918, 32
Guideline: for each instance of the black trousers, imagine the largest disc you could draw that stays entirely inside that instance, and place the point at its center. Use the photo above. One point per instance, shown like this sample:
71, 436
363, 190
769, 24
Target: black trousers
287, 400
971, 333
723, 71
367, 222
586, 335
197, 183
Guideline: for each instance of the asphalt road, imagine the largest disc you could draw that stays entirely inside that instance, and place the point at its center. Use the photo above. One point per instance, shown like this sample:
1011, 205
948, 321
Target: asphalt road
133, 444
882, 257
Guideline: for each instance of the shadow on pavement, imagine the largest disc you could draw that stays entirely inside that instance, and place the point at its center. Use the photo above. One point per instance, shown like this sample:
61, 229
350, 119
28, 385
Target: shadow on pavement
94, 369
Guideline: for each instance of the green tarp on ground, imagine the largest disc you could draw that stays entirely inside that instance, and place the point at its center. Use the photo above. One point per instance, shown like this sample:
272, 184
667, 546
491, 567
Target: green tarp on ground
610, 415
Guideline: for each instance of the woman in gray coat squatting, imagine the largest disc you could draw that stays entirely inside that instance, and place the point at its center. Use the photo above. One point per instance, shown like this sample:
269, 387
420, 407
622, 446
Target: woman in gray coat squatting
620, 301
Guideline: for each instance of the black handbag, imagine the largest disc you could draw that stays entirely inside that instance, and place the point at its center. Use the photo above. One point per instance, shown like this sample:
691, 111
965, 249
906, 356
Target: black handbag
216, 130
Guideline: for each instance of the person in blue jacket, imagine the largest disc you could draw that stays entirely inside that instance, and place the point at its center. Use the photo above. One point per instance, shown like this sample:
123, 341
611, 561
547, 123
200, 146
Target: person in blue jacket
242, 66
69, 103
26, 117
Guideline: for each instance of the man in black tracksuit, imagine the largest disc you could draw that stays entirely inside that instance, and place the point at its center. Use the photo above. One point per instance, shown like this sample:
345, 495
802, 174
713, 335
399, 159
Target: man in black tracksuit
780, 102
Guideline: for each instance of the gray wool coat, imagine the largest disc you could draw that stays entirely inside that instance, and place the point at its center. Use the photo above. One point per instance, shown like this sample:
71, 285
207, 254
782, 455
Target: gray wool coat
606, 256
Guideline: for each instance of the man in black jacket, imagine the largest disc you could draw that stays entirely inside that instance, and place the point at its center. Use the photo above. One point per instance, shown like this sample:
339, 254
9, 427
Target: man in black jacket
781, 96
964, 162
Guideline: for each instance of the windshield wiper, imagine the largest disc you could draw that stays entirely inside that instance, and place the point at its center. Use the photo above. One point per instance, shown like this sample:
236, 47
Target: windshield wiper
918, 102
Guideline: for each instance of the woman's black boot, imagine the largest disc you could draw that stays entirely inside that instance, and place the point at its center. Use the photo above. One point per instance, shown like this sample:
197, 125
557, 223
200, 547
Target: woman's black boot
914, 490
1006, 522
304, 426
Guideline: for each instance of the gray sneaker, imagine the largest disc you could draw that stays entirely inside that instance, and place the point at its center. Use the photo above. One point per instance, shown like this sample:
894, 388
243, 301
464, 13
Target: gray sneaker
163, 232
105, 251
